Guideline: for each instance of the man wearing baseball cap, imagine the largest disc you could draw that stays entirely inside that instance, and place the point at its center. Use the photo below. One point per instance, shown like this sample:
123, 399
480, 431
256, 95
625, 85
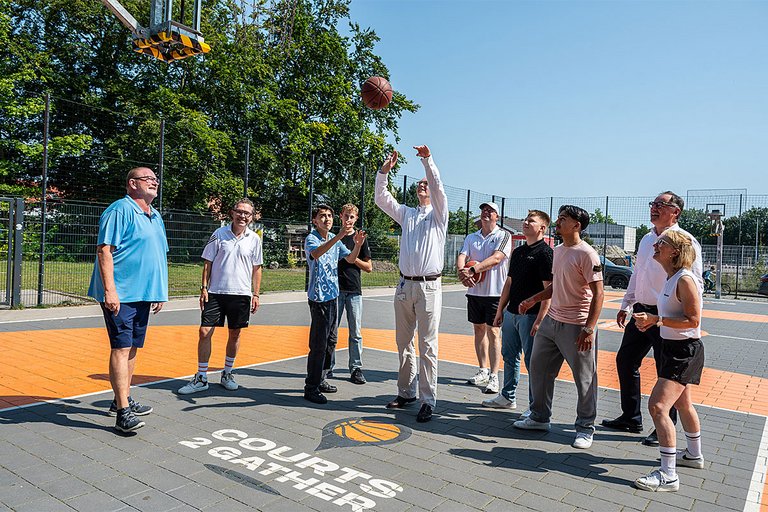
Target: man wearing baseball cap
490, 247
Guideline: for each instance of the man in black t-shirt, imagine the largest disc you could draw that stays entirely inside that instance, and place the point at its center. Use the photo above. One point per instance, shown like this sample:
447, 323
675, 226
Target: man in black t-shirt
530, 271
351, 297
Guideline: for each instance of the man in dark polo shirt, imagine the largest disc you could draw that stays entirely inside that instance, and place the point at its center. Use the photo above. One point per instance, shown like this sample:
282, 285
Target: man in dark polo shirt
351, 297
530, 271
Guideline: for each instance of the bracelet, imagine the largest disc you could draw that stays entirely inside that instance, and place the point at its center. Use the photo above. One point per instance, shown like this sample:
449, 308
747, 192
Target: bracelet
203, 288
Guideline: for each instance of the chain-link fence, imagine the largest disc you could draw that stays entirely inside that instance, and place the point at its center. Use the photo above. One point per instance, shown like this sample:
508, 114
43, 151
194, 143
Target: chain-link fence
80, 155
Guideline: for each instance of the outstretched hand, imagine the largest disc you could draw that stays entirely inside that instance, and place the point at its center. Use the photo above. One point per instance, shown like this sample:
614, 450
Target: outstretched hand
422, 151
359, 237
389, 163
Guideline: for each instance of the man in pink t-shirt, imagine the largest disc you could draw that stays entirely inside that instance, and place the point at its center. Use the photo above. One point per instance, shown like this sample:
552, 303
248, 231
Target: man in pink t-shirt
568, 331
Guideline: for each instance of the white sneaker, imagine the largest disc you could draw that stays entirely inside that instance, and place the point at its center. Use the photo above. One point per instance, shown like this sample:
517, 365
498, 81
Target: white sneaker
684, 458
529, 424
657, 481
493, 385
480, 378
197, 384
500, 402
526, 414
228, 381
583, 440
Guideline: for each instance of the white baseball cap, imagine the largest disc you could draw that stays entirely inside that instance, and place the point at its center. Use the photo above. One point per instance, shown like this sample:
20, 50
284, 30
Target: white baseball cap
491, 205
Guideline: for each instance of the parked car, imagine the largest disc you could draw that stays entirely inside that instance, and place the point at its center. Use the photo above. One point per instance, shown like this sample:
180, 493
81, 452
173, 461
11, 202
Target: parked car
763, 290
615, 275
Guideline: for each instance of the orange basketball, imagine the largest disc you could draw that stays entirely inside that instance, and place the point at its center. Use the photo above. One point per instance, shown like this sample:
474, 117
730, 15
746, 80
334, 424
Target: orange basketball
366, 431
377, 93
479, 277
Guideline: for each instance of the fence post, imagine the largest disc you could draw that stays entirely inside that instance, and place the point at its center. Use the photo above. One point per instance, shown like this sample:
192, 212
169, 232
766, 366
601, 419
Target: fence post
466, 222
44, 204
362, 199
18, 240
311, 199
551, 207
405, 184
605, 231
247, 165
741, 253
160, 166
502, 211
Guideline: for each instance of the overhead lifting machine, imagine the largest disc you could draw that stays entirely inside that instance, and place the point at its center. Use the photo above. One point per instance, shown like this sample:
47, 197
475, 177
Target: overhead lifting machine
164, 38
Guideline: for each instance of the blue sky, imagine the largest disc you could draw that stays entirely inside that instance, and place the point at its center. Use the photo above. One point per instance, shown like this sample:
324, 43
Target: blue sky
577, 98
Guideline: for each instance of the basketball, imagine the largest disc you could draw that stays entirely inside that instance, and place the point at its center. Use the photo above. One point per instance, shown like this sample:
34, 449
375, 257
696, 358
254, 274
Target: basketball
366, 431
479, 277
377, 93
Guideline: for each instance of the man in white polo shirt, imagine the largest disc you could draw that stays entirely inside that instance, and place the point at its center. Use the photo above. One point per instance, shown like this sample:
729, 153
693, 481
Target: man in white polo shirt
419, 296
230, 289
490, 247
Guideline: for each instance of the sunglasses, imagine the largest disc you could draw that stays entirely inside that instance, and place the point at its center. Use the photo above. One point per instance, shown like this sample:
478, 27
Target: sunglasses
660, 204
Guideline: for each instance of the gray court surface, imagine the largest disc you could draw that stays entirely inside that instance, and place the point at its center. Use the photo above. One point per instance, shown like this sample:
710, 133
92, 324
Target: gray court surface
265, 448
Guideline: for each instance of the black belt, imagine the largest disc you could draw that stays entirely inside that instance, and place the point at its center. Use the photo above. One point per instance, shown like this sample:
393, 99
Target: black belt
421, 278
645, 308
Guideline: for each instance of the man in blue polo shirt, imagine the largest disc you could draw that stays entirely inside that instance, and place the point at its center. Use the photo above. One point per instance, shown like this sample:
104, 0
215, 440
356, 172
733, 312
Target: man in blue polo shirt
129, 278
323, 254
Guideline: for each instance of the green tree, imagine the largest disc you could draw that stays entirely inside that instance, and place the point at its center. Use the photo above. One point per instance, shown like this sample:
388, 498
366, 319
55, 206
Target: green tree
696, 222
457, 222
640, 232
598, 218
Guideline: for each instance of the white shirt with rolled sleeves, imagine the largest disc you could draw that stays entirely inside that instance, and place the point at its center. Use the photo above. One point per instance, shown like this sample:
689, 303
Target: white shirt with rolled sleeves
478, 247
422, 244
418, 304
648, 277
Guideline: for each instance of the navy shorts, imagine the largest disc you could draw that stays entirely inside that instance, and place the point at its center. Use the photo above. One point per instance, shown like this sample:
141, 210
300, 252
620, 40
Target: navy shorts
482, 310
129, 327
235, 308
682, 360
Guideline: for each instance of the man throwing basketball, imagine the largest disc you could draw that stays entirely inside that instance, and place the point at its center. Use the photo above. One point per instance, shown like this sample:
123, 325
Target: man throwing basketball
419, 296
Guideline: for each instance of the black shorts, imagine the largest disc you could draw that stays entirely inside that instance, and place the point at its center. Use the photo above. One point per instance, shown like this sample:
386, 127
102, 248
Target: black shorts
235, 308
682, 360
482, 310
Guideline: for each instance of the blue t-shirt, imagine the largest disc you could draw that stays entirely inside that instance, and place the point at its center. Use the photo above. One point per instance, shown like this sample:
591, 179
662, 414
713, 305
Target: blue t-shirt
324, 271
140, 263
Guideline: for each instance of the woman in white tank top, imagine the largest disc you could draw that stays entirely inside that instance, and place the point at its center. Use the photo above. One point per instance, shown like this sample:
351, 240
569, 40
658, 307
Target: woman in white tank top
682, 360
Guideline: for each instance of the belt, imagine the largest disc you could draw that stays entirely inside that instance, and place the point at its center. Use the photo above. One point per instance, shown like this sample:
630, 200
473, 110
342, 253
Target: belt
421, 278
645, 308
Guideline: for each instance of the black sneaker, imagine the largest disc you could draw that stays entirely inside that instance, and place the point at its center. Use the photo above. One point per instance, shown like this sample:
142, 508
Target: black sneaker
315, 397
652, 439
127, 421
327, 388
137, 408
357, 376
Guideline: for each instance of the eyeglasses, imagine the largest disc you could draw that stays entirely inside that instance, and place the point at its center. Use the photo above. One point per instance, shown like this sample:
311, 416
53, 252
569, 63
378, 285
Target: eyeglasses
661, 204
664, 241
243, 213
149, 179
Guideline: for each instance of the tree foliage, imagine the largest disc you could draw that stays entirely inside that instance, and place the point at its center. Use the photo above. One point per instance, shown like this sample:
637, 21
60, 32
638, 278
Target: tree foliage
283, 73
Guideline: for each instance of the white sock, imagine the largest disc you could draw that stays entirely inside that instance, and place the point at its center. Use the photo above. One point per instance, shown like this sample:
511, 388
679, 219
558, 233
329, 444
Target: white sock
229, 362
694, 443
202, 370
486, 371
668, 460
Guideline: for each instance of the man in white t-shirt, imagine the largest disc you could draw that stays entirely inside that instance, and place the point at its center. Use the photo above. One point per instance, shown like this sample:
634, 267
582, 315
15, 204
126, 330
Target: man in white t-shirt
490, 247
230, 289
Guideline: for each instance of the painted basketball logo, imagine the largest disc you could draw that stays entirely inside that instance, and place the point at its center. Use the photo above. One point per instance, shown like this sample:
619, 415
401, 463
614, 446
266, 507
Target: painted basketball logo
362, 432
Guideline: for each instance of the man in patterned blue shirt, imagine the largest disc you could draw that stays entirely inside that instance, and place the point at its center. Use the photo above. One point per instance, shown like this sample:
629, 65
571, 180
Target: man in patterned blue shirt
323, 254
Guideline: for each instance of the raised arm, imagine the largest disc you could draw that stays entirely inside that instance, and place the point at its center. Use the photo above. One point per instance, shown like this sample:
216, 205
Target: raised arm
437, 196
382, 196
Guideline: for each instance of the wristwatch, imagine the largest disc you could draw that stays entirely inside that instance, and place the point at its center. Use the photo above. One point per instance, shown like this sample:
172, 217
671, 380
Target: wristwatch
588, 330
203, 288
